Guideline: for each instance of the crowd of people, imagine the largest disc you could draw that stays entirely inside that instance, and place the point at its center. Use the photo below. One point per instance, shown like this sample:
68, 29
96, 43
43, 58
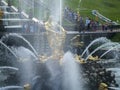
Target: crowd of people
86, 23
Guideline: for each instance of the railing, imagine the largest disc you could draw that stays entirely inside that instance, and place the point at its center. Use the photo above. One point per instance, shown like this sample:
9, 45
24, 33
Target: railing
92, 28
37, 29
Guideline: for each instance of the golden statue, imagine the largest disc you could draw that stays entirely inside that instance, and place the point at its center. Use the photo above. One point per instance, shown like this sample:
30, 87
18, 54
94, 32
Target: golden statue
75, 41
103, 86
56, 37
27, 87
93, 58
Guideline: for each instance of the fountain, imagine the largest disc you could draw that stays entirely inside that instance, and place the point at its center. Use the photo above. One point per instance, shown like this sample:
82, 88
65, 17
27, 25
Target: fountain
102, 39
7, 67
72, 78
68, 64
8, 48
60, 73
5, 71
115, 47
60, 70
26, 63
11, 38
109, 44
12, 88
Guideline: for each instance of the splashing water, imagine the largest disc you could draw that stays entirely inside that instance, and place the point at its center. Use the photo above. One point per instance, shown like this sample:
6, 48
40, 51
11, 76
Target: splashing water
55, 73
24, 53
102, 39
5, 71
11, 88
26, 64
66, 76
114, 88
72, 79
102, 46
8, 49
117, 46
116, 70
21, 37
56, 11
61, 12
8, 67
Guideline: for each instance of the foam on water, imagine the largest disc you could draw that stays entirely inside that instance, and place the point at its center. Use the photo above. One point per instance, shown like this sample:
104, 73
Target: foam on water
72, 78
26, 60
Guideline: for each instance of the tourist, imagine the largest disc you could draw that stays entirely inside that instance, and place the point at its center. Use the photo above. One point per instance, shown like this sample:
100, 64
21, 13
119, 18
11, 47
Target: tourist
94, 25
81, 24
0, 2
2, 29
75, 17
31, 28
9, 2
103, 27
9, 5
1, 13
111, 26
65, 12
106, 27
87, 23
25, 27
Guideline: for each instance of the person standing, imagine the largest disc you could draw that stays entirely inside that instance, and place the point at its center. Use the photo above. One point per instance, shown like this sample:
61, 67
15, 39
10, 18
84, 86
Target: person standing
0, 2
1, 22
87, 23
111, 26
1, 14
9, 5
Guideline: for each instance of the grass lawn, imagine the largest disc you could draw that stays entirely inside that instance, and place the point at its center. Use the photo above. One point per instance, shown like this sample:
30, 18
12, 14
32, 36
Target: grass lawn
108, 8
